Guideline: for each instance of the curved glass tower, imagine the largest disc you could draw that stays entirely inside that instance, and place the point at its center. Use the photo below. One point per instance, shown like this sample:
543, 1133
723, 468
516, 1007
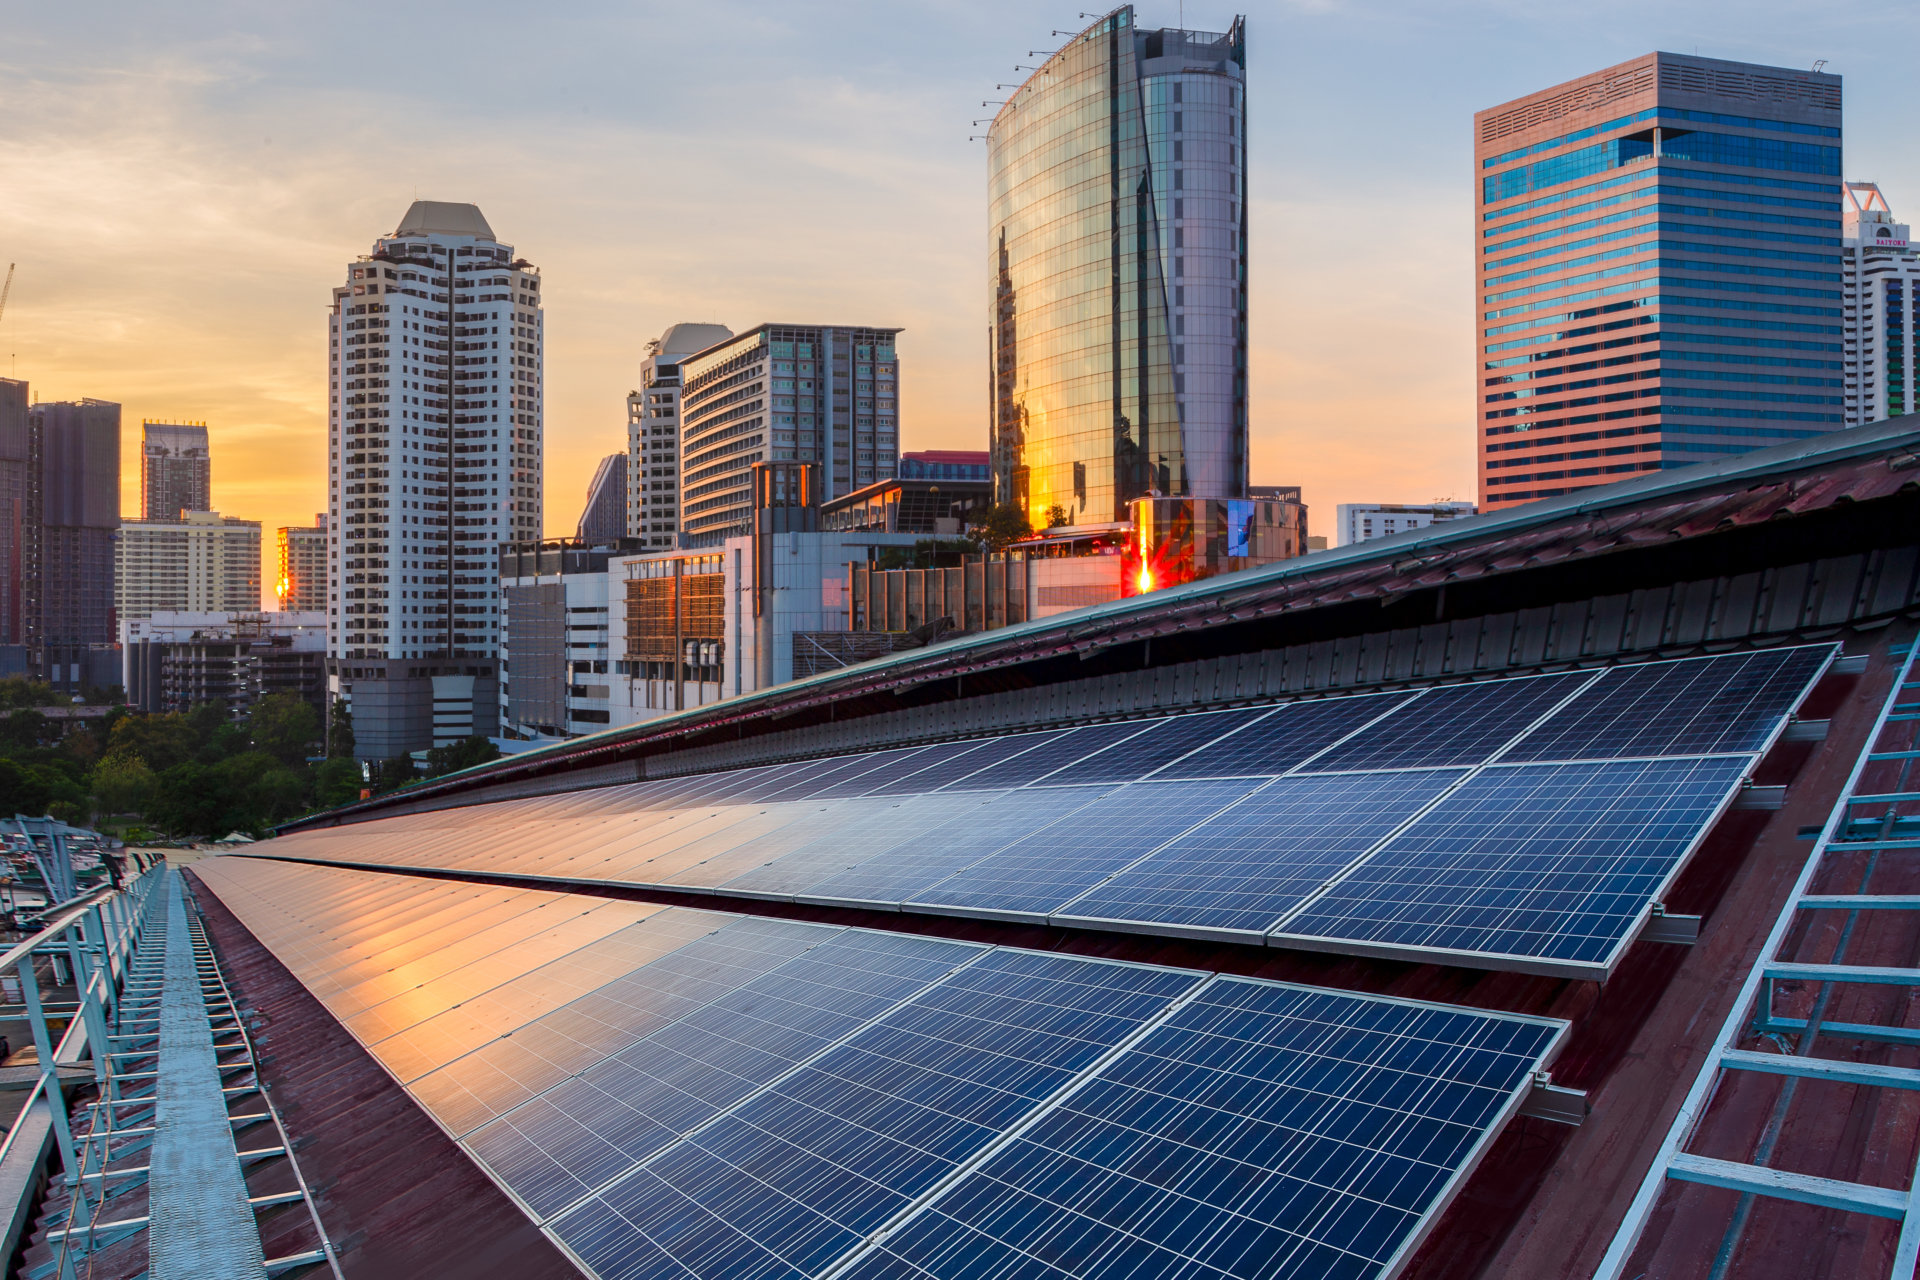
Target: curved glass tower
1117, 273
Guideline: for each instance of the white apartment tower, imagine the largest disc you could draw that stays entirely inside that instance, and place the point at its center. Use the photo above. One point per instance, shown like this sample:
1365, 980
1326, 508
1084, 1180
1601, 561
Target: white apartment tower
434, 459
199, 561
653, 433
1882, 282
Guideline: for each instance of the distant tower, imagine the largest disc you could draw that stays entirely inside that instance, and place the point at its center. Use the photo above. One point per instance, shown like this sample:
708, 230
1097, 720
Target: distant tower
434, 460
653, 433
301, 583
176, 469
1117, 273
603, 519
1883, 293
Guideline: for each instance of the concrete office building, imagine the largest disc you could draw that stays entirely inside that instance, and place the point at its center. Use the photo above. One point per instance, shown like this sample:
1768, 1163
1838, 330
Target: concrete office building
555, 660
1883, 308
71, 510
1659, 275
653, 433
176, 660
434, 457
1116, 274
15, 481
300, 582
1364, 521
604, 518
199, 561
176, 469
824, 395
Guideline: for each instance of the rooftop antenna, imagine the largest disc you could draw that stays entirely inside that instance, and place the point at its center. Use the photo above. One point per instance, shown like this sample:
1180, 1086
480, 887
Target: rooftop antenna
1818, 64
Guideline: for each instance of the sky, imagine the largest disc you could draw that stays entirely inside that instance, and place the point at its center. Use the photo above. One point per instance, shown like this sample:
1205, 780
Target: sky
185, 183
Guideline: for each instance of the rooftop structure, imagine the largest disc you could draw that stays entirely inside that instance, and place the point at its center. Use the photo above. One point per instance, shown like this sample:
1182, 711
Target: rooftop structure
1484, 823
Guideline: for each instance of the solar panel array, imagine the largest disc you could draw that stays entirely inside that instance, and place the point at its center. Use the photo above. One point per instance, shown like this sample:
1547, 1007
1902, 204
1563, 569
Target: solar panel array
674, 1093
1525, 823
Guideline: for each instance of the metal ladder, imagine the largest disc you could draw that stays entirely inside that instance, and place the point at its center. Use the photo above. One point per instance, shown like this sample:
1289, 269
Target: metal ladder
1753, 1013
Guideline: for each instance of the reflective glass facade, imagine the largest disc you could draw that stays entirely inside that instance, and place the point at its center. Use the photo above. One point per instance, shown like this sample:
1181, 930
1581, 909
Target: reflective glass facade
1117, 273
1658, 248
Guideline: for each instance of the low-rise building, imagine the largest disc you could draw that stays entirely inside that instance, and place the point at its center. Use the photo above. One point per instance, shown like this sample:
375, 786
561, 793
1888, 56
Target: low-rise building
174, 660
1364, 521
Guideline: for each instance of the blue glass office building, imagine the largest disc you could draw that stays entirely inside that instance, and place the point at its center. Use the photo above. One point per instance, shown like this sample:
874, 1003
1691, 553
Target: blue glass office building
1659, 277
1117, 273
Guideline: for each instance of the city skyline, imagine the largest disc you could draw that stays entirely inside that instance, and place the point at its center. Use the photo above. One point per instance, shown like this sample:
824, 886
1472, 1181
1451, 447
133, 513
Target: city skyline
212, 167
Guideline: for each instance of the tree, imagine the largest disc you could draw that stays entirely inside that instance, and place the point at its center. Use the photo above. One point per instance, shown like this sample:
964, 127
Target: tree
23, 789
22, 731
1001, 525
19, 691
337, 781
1057, 516
339, 729
122, 784
389, 775
285, 726
463, 754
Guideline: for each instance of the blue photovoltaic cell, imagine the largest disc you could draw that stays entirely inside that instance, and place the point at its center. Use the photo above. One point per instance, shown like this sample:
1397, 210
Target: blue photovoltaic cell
503, 1073
794, 1178
589, 1130
1249, 866
915, 865
1545, 860
1698, 706
1456, 724
1282, 740
1055, 751
881, 767
1059, 862
958, 759
1162, 741
1263, 1132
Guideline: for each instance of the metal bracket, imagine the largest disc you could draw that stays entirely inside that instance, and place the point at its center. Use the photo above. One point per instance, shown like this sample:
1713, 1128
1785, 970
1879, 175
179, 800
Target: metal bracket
1849, 664
1546, 1100
1806, 731
1761, 798
1681, 931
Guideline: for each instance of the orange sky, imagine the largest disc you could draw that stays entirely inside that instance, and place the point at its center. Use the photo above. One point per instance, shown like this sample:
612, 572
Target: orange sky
181, 196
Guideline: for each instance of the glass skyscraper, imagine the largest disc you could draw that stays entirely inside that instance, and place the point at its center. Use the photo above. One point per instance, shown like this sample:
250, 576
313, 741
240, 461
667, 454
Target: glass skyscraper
1659, 283
1116, 264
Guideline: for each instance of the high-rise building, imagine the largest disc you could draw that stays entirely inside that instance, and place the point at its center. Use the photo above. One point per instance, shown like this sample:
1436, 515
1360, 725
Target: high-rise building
434, 457
15, 479
828, 395
71, 512
200, 562
176, 469
604, 518
300, 582
1659, 274
653, 433
1365, 521
1883, 308
1117, 273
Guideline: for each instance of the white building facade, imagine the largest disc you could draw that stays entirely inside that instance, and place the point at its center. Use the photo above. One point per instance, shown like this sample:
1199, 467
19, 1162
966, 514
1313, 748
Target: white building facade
653, 433
1882, 289
435, 432
1364, 521
199, 561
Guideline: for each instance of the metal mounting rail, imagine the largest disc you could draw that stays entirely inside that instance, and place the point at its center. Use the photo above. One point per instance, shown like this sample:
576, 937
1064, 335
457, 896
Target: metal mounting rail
158, 1153
1753, 1014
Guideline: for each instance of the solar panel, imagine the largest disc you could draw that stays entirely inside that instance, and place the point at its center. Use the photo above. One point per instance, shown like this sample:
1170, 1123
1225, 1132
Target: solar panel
1276, 743
1053, 751
1242, 870
866, 772
1452, 725
910, 867
500, 1075
1552, 862
595, 1127
956, 761
1034, 876
1162, 742
840, 847
1263, 1132
1698, 706
796, 1176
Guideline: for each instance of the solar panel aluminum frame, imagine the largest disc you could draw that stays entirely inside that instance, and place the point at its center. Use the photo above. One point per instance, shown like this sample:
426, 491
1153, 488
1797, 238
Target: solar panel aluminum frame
1414, 1239
1593, 971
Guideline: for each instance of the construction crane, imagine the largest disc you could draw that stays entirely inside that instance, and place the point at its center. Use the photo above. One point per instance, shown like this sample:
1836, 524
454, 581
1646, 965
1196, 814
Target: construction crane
6, 289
